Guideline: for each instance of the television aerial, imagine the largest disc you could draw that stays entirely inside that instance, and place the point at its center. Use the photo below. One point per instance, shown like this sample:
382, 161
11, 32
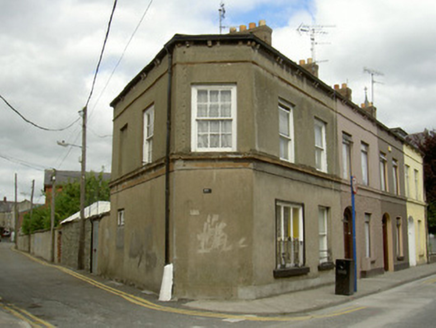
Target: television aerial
373, 73
313, 30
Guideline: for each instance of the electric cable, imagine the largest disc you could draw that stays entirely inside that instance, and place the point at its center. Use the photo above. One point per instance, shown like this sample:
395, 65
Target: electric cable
34, 124
122, 56
102, 52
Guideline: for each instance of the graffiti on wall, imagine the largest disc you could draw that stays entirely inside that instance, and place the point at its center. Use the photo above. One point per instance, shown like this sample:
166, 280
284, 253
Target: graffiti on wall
213, 237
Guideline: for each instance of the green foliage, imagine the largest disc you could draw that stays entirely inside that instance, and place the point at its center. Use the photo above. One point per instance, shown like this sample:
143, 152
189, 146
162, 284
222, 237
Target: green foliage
428, 147
67, 202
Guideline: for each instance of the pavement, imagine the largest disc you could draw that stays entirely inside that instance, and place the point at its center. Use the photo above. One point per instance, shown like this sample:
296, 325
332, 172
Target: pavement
316, 298
291, 303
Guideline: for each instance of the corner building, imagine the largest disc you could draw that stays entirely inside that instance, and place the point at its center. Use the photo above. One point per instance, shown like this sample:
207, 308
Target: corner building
226, 165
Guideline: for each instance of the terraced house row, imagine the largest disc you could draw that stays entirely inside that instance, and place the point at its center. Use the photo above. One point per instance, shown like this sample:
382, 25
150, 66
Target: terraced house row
232, 163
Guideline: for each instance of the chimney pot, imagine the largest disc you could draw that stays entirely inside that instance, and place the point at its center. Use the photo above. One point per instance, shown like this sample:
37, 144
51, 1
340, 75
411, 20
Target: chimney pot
362, 105
5, 199
262, 22
344, 85
252, 25
309, 60
336, 86
233, 29
302, 62
242, 28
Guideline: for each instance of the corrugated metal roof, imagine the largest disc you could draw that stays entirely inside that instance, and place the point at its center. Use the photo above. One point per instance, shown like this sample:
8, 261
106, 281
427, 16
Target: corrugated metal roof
97, 208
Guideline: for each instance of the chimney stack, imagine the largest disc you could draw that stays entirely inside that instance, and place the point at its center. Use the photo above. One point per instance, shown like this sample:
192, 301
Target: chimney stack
344, 91
312, 67
370, 109
262, 31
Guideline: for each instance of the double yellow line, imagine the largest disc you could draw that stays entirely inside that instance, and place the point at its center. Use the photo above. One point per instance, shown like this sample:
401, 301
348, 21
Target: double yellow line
22, 314
153, 306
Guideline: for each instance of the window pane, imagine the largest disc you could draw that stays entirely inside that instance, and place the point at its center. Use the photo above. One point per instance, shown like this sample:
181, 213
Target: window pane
226, 141
318, 158
214, 110
226, 110
202, 96
202, 110
226, 126
203, 126
214, 126
318, 136
226, 96
214, 96
284, 148
202, 141
284, 123
214, 141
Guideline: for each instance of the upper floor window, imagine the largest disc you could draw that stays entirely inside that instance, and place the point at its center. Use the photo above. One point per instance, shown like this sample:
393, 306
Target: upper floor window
395, 177
320, 146
407, 179
416, 176
213, 118
383, 172
346, 156
286, 131
364, 163
147, 146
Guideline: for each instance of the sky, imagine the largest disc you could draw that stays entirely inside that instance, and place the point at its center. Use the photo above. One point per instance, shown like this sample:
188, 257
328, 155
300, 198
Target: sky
50, 49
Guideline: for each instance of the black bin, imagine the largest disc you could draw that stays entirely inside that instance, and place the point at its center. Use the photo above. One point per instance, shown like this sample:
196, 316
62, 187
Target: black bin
344, 277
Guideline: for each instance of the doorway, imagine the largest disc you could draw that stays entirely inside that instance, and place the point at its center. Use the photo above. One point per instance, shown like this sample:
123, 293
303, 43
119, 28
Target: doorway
386, 222
412, 242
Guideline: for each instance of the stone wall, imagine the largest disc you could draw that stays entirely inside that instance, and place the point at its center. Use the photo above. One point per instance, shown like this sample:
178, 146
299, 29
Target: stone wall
70, 244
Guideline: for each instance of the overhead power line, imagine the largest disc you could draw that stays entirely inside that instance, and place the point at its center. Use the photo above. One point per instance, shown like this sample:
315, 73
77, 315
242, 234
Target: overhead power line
34, 124
123, 53
101, 53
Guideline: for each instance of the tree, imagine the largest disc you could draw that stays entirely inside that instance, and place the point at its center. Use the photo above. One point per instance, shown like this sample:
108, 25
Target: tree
427, 145
67, 202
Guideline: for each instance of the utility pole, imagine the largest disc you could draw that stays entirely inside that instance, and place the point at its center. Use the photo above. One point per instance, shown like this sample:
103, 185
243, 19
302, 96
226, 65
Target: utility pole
52, 216
81, 252
31, 207
16, 211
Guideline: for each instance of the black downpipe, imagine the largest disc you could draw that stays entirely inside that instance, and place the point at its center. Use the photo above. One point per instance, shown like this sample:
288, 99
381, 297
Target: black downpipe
167, 159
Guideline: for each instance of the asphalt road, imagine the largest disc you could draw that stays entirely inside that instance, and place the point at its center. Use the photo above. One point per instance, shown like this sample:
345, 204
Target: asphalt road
45, 295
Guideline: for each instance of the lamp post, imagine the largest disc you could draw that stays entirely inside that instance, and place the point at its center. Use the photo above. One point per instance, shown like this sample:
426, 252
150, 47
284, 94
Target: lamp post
81, 250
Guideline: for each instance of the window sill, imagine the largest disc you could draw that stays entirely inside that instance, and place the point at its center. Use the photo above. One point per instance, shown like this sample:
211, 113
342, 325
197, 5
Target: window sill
291, 272
326, 266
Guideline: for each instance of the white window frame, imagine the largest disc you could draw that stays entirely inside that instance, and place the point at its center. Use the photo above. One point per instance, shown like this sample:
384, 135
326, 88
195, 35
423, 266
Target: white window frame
367, 235
324, 252
286, 144
383, 172
120, 217
416, 178
289, 249
395, 177
196, 120
364, 150
148, 133
320, 148
399, 236
346, 155
407, 179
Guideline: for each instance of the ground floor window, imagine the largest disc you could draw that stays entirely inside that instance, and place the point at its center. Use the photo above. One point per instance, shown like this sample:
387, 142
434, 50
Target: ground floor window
367, 235
324, 253
290, 235
120, 217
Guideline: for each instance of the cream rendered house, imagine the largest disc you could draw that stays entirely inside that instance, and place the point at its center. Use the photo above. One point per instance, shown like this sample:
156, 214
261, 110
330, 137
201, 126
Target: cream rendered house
416, 206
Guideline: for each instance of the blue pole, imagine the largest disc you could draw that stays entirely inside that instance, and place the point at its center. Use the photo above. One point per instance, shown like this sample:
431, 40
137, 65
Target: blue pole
354, 232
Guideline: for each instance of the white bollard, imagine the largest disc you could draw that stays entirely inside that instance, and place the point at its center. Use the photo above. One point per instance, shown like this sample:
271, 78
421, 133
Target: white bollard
167, 284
